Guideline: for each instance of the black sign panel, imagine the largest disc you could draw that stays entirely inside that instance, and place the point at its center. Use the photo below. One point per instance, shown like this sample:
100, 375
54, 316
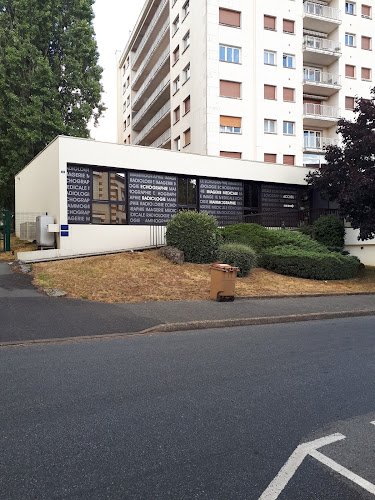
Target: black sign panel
221, 198
79, 195
152, 198
278, 198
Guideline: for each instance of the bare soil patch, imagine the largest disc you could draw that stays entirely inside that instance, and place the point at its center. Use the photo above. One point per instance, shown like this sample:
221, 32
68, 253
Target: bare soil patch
146, 276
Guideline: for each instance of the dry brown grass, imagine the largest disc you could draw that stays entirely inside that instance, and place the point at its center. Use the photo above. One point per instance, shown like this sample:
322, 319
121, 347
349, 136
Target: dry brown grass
145, 276
16, 245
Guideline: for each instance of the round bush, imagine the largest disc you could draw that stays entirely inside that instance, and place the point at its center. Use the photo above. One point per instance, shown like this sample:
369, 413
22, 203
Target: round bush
196, 234
237, 255
329, 231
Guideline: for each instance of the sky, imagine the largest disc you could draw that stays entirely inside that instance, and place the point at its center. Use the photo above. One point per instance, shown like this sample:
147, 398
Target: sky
114, 20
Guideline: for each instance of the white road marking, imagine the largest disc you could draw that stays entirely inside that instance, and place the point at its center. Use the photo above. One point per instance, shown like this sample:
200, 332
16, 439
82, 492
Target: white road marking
373, 423
366, 485
290, 467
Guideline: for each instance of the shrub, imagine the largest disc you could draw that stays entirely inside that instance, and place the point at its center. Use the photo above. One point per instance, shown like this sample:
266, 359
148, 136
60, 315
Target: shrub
257, 237
306, 229
296, 239
196, 234
238, 255
294, 261
329, 231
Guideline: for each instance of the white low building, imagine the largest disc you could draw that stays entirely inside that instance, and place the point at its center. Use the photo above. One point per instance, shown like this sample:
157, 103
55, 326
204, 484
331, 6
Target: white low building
107, 197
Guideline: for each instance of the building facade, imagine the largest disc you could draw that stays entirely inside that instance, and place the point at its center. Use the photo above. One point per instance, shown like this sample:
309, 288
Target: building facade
265, 80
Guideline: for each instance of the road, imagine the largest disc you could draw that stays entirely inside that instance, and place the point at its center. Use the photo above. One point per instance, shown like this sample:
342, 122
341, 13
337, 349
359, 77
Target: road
212, 414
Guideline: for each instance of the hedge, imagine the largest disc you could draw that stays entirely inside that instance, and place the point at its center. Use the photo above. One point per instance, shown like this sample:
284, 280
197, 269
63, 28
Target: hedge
329, 231
238, 255
253, 235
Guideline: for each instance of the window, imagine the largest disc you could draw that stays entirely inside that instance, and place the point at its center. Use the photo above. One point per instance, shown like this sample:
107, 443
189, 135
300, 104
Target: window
349, 8
366, 74
230, 17
230, 124
127, 81
288, 128
231, 154
186, 40
349, 103
269, 92
187, 105
312, 139
269, 126
349, 40
288, 94
313, 161
366, 11
288, 159
128, 101
349, 71
288, 61
186, 8
187, 138
176, 54
269, 158
288, 26
230, 89
187, 193
176, 24
366, 43
270, 57
186, 73
269, 22
124, 127
229, 54
108, 204
176, 85
128, 120
124, 88
176, 114
129, 139
177, 144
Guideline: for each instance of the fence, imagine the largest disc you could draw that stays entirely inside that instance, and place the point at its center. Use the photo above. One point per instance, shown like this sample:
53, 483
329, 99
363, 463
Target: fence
5, 227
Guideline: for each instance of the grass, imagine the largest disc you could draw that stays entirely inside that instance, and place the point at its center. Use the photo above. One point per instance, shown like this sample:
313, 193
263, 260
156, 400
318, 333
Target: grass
145, 276
16, 245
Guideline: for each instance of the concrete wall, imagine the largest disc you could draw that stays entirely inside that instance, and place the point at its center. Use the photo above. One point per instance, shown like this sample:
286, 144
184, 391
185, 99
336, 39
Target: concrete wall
364, 250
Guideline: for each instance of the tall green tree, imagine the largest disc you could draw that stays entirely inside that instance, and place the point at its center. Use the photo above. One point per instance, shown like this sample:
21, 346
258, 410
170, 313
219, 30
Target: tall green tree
49, 79
348, 177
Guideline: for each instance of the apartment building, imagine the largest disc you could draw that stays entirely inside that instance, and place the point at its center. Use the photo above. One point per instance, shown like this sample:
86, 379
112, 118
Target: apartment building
263, 80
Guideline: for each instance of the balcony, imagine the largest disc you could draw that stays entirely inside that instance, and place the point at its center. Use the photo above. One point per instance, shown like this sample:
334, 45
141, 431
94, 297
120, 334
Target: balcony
327, 84
320, 50
158, 124
316, 144
163, 140
320, 115
319, 17
160, 95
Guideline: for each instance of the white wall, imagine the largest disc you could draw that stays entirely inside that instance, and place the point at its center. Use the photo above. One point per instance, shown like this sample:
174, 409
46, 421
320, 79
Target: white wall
364, 250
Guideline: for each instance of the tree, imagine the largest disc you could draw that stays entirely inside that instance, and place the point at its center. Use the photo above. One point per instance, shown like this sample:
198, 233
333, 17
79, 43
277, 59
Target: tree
349, 175
49, 79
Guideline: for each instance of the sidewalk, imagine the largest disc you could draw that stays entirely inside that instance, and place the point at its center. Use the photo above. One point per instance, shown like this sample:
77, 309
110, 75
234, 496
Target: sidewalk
27, 315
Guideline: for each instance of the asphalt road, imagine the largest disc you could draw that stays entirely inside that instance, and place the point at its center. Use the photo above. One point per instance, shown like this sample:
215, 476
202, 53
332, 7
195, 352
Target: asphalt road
211, 414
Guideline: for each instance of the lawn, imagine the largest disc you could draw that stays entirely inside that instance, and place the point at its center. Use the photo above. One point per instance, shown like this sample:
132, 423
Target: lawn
145, 276
16, 245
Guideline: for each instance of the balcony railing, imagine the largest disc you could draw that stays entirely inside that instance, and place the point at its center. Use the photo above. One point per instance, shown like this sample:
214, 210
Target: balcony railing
162, 139
314, 42
321, 77
321, 110
319, 142
164, 29
319, 10
151, 124
151, 75
151, 26
164, 83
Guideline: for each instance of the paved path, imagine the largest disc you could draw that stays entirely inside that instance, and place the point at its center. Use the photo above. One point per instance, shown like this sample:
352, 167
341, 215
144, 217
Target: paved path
28, 315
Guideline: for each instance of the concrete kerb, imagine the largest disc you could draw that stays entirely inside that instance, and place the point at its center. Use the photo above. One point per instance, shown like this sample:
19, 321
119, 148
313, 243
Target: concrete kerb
196, 325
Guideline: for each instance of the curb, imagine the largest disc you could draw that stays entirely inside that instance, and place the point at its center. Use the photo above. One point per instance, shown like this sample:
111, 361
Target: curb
301, 295
196, 325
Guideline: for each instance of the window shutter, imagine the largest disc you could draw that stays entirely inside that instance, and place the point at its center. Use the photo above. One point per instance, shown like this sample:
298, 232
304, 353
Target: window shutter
349, 70
187, 104
269, 158
288, 26
366, 43
288, 94
366, 74
288, 159
187, 137
349, 102
366, 10
231, 154
269, 92
230, 17
230, 121
230, 89
270, 22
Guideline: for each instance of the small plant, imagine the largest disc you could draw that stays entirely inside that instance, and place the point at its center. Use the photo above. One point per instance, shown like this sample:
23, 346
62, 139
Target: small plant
329, 231
195, 234
237, 255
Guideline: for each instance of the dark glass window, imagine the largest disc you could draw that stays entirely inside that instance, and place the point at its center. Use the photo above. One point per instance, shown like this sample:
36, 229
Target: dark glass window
187, 193
251, 198
108, 193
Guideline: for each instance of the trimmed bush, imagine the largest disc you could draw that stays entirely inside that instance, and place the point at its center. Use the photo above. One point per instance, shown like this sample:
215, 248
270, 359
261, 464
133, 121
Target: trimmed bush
329, 231
296, 239
238, 255
257, 237
306, 229
196, 234
293, 261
